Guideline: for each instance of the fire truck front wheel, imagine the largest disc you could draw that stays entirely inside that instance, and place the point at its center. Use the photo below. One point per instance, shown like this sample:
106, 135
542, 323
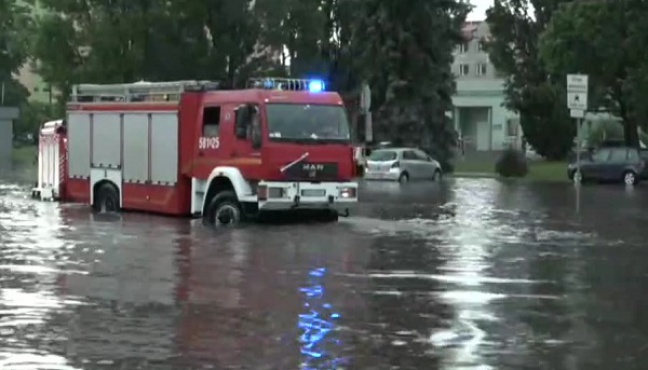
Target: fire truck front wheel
224, 209
106, 198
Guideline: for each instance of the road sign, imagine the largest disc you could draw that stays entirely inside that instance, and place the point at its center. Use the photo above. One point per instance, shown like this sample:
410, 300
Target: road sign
577, 113
577, 88
576, 101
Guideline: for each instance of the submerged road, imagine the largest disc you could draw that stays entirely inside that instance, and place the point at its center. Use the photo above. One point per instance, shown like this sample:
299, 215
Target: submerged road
468, 274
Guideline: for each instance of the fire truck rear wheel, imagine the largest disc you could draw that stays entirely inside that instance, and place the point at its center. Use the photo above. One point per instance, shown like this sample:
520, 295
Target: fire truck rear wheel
106, 198
224, 209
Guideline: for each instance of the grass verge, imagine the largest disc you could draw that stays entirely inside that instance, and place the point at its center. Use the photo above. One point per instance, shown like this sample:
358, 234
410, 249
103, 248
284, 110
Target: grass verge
538, 170
24, 155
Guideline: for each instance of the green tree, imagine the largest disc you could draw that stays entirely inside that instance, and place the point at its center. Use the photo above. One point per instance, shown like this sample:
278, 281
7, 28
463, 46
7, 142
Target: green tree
121, 41
129, 40
606, 40
225, 34
311, 37
530, 90
605, 130
32, 116
15, 25
405, 52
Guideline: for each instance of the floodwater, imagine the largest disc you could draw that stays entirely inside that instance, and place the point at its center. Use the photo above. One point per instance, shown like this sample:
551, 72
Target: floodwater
468, 274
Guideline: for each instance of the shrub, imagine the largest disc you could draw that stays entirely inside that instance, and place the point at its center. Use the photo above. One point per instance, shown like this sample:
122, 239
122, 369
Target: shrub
512, 163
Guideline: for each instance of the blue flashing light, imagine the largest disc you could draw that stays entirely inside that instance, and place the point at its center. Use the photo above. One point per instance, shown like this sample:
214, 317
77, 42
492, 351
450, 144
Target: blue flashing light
316, 86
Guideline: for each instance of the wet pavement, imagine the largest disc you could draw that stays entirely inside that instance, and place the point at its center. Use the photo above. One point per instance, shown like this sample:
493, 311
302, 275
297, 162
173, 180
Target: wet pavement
468, 274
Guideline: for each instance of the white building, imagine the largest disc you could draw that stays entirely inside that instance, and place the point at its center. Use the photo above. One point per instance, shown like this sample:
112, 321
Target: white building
479, 116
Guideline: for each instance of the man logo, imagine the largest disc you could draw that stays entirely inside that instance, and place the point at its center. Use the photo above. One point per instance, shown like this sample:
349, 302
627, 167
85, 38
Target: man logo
310, 167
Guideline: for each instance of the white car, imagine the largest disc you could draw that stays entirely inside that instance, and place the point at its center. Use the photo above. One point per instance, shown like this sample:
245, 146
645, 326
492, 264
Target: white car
402, 165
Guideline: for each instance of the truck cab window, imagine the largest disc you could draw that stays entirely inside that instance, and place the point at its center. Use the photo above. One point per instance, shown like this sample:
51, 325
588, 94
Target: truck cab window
255, 130
211, 121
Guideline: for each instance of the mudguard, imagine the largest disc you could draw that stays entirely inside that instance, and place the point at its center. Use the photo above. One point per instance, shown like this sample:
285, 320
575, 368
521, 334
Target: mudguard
241, 186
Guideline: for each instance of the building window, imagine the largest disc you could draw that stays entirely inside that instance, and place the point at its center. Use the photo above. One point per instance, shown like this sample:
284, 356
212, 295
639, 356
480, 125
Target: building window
482, 69
464, 69
463, 48
481, 46
512, 127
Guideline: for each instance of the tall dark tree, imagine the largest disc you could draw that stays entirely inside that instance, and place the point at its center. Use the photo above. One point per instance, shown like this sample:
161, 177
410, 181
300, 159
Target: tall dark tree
310, 37
130, 40
93, 41
405, 52
15, 25
538, 97
606, 40
230, 34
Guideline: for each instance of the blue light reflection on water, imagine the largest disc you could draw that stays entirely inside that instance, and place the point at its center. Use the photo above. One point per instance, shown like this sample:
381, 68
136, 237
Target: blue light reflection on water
316, 326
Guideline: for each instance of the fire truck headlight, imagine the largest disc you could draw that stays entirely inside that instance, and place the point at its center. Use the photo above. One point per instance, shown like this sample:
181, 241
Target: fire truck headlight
347, 193
274, 193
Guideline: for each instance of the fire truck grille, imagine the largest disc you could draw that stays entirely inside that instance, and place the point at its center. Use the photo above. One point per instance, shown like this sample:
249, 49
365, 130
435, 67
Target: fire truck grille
313, 171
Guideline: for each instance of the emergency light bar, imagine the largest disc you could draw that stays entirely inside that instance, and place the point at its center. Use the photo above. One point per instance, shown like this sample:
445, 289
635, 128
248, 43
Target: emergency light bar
289, 84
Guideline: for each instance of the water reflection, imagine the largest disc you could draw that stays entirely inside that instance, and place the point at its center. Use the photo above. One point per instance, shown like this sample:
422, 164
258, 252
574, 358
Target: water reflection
466, 251
30, 269
476, 275
317, 326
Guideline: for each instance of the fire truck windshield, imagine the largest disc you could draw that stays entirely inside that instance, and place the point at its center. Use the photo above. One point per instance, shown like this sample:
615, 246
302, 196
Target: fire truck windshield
307, 123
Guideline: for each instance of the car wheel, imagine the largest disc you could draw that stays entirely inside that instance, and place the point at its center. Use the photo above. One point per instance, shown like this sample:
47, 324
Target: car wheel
630, 178
223, 210
404, 178
437, 175
577, 177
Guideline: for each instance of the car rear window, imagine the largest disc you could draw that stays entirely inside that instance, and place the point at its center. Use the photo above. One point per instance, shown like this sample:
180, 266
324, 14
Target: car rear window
618, 155
643, 153
383, 156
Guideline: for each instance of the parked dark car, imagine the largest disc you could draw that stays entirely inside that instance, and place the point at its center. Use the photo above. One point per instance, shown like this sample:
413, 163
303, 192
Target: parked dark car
611, 164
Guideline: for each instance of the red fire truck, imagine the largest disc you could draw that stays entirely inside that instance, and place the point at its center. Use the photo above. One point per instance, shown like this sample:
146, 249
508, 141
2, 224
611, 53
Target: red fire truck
192, 148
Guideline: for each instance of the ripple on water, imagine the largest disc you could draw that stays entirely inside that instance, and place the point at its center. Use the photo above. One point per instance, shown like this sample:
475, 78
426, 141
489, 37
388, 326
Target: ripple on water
460, 279
30, 265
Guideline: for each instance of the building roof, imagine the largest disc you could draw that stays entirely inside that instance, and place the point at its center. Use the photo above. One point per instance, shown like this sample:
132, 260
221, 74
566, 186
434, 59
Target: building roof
469, 29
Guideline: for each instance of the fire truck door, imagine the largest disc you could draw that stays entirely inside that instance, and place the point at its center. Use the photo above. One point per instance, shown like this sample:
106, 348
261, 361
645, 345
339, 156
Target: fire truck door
244, 146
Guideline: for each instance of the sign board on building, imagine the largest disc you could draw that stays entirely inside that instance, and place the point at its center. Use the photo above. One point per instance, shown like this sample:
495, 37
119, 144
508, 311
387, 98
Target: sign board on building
577, 88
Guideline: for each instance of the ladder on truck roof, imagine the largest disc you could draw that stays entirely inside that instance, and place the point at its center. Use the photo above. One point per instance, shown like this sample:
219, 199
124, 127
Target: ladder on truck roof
138, 91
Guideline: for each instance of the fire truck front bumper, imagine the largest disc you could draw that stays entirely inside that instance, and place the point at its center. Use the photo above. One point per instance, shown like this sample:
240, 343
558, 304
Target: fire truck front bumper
278, 196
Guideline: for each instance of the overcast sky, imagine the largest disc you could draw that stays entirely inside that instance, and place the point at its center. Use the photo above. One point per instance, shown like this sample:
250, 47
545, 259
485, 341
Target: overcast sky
479, 13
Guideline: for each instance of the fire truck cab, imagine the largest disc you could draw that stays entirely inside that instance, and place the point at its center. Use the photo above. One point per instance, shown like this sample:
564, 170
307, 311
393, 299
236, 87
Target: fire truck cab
192, 148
